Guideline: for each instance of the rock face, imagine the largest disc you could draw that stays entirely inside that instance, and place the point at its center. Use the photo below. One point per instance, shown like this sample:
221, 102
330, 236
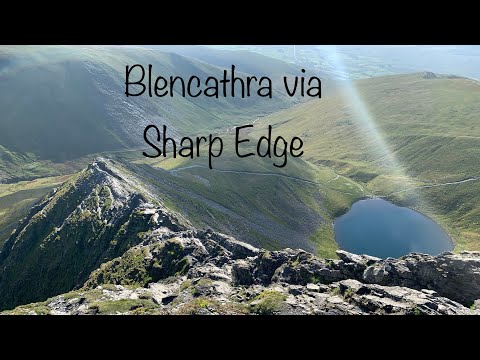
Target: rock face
429, 75
110, 248
202, 272
456, 276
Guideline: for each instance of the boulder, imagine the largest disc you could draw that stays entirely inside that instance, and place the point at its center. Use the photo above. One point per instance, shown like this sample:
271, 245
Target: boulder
242, 273
456, 276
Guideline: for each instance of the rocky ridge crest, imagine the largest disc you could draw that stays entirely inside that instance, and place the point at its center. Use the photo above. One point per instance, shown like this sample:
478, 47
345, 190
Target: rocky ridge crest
203, 272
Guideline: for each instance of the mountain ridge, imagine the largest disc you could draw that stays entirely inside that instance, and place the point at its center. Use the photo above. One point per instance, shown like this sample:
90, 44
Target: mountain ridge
110, 246
94, 216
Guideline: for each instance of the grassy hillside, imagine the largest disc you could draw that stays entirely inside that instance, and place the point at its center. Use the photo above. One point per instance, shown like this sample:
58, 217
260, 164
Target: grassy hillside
63, 102
397, 133
17, 199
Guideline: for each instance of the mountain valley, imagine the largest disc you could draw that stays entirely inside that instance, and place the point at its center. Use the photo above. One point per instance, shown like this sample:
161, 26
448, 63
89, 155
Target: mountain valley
89, 224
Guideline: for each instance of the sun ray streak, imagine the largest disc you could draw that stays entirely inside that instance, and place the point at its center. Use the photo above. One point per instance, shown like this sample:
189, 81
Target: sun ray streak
365, 121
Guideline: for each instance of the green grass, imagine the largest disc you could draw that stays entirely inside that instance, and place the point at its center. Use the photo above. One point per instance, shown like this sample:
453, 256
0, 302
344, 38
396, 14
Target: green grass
324, 239
269, 302
432, 140
202, 305
112, 307
454, 208
74, 117
136, 268
30, 309
96, 302
40, 183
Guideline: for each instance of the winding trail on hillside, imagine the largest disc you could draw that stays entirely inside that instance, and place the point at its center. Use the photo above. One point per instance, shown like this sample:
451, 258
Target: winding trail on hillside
227, 130
257, 173
333, 179
173, 171
475, 178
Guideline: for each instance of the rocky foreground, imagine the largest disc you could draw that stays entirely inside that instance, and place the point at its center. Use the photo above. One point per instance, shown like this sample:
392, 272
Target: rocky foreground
202, 272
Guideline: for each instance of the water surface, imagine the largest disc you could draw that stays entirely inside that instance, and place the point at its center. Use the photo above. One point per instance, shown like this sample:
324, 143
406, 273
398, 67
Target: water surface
379, 228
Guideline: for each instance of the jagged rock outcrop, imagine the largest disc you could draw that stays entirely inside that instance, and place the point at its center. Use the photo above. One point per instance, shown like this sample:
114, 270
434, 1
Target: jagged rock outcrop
456, 276
429, 75
202, 272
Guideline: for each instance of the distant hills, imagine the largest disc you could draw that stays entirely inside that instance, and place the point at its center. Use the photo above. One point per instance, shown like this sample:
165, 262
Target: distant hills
60, 103
363, 61
251, 62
